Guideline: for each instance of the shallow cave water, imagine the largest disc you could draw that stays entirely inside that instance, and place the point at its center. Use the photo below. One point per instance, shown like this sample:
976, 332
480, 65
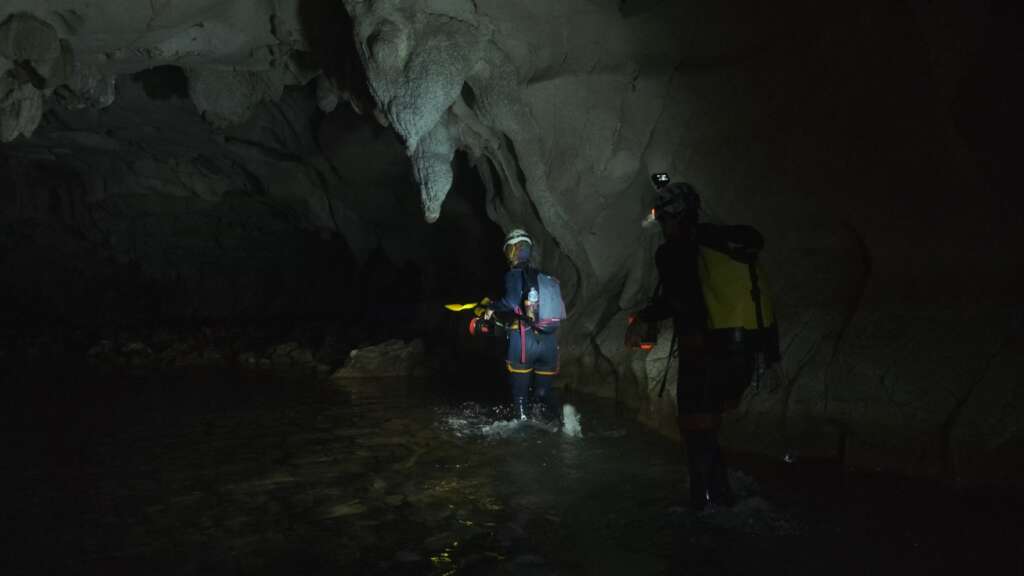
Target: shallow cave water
229, 232
239, 471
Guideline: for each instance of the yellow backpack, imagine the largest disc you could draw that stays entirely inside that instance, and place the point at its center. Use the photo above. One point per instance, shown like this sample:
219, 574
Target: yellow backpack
732, 291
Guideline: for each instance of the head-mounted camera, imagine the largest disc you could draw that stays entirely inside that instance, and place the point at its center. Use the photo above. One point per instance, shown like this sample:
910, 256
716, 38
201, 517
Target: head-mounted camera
660, 179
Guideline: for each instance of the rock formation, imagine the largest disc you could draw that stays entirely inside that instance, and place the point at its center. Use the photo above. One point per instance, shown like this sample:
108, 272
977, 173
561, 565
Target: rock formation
862, 143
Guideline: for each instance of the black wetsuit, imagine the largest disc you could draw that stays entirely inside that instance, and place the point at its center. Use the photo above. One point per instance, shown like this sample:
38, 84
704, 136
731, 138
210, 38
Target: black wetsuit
709, 363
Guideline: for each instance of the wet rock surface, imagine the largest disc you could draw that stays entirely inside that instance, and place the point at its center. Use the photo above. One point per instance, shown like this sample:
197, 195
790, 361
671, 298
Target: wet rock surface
324, 349
211, 346
198, 159
201, 471
894, 330
393, 358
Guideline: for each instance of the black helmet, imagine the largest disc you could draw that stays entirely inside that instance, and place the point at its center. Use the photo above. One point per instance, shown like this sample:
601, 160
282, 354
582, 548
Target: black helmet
678, 199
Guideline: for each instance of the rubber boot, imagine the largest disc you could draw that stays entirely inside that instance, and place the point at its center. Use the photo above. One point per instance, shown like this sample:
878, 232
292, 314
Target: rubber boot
546, 395
719, 491
696, 463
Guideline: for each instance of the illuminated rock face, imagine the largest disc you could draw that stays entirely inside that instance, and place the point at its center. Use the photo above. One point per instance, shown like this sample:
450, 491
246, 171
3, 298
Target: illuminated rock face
860, 143
895, 331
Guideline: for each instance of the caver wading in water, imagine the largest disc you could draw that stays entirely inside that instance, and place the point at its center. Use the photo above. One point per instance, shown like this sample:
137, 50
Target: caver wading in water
532, 309
723, 325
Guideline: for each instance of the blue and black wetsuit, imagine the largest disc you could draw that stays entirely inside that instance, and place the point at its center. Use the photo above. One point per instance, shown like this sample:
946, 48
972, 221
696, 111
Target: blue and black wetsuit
532, 352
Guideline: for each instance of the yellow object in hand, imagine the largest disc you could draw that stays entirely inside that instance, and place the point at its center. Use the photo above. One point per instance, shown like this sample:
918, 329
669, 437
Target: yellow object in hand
477, 307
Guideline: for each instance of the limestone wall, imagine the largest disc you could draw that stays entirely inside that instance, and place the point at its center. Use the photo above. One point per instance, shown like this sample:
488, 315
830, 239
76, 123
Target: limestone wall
869, 143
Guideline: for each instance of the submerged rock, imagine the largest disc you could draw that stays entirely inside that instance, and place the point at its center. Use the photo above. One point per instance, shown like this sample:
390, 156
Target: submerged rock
346, 509
132, 352
390, 359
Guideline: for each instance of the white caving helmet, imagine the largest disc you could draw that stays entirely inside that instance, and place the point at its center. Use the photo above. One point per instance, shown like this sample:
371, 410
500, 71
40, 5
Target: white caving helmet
516, 236
514, 248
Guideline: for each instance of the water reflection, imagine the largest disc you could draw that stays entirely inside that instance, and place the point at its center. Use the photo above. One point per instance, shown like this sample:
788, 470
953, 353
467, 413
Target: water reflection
292, 475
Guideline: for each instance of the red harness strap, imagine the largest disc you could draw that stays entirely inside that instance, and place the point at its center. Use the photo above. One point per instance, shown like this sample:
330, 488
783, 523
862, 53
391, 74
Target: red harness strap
522, 343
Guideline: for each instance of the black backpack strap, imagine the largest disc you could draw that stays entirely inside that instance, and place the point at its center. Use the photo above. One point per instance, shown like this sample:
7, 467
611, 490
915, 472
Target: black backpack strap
531, 276
668, 364
755, 295
761, 338
740, 242
529, 280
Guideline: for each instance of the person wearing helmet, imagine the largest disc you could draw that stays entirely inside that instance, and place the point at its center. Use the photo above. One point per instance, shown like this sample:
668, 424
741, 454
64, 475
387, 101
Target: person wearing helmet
532, 349
699, 390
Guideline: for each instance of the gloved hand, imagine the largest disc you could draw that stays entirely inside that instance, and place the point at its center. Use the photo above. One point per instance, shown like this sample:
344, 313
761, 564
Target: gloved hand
639, 334
483, 309
632, 339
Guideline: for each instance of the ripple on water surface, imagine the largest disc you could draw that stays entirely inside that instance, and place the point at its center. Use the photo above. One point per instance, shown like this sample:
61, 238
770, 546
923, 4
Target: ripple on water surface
291, 475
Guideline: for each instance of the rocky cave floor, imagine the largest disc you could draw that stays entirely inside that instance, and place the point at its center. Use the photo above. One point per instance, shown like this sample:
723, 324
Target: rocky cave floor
154, 455
306, 347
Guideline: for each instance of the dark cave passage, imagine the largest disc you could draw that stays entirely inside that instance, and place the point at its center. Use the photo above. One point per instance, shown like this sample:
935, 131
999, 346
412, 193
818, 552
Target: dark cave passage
224, 346
126, 259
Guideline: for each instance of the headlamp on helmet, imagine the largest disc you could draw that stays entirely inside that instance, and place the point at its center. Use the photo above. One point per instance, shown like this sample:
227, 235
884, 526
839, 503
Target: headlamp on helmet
660, 180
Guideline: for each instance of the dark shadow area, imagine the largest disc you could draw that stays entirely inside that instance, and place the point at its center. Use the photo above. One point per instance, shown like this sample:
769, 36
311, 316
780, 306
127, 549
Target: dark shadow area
97, 263
476, 261
987, 111
473, 268
894, 524
327, 28
163, 82
233, 260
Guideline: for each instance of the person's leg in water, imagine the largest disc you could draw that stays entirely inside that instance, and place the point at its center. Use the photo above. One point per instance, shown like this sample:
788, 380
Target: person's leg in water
519, 381
545, 369
520, 372
545, 394
709, 483
696, 458
730, 372
699, 419
694, 439
719, 491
